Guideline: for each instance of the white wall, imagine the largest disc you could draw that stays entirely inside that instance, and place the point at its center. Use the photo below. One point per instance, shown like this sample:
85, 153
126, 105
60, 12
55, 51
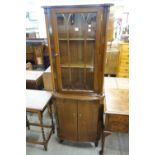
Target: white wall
35, 6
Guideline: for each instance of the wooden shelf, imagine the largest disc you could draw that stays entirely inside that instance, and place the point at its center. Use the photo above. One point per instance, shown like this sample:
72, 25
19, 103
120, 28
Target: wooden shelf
77, 66
76, 39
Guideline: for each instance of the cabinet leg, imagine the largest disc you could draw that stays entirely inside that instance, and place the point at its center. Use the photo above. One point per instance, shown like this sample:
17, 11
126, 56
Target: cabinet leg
60, 140
101, 152
96, 143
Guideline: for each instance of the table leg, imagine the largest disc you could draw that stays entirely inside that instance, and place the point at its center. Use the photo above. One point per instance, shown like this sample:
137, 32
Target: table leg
104, 134
27, 123
102, 141
42, 129
52, 122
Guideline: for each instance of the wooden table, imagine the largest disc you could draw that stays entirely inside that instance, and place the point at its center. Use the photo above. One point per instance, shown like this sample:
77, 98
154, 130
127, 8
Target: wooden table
116, 106
116, 110
36, 102
116, 83
34, 79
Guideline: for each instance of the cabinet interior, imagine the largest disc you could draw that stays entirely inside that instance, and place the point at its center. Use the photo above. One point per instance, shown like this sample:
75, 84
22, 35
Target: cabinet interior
77, 41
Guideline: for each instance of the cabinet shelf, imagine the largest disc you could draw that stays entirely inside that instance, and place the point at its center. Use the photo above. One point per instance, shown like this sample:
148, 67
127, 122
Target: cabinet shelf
77, 66
76, 39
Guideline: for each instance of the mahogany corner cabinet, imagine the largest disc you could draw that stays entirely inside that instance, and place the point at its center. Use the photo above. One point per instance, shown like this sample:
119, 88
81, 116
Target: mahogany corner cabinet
77, 44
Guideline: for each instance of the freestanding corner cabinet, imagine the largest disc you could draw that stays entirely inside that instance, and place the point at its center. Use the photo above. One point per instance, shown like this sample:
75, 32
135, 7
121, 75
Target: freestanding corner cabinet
78, 36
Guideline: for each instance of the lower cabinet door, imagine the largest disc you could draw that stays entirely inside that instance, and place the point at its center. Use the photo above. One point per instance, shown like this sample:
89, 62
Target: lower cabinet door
67, 119
88, 117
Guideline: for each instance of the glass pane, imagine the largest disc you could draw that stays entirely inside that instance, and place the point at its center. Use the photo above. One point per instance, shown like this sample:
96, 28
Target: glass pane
77, 35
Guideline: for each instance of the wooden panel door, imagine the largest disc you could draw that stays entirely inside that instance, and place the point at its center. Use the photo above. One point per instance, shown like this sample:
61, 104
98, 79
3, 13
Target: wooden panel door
88, 114
67, 118
76, 35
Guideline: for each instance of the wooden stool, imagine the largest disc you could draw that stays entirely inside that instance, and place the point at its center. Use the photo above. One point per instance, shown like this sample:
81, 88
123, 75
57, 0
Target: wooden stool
36, 102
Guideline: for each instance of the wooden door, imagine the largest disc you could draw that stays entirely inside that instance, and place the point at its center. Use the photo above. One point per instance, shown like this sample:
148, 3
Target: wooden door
88, 117
76, 38
67, 118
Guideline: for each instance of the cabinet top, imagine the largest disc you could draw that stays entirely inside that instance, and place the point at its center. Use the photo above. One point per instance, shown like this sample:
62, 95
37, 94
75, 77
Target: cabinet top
71, 3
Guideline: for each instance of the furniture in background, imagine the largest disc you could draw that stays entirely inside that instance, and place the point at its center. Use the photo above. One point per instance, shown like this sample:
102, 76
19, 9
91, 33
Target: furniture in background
31, 35
116, 107
34, 79
116, 83
111, 62
110, 27
34, 54
116, 110
77, 61
123, 63
47, 76
37, 53
37, 101
29, 66
116, 103
48, 85
29, 54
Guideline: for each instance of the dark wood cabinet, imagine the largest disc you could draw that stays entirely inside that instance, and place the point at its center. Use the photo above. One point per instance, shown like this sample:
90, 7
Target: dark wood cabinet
78, 120
67, 118
78, 34
88, 112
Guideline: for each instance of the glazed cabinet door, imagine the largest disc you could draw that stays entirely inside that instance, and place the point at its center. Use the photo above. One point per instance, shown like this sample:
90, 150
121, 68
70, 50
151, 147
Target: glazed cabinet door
76, 35
67, 118
88, 114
